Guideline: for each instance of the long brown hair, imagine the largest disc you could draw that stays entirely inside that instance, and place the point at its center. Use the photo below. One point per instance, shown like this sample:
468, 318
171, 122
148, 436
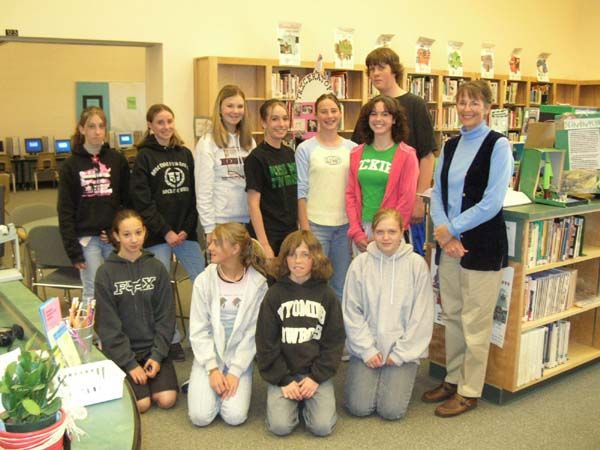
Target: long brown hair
321, 266
220, 134
391, 105
150, 114
251, 252
77, 138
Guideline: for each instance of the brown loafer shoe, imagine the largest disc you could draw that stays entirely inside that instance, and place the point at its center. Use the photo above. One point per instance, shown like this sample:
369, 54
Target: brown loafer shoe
455, 405
443, 392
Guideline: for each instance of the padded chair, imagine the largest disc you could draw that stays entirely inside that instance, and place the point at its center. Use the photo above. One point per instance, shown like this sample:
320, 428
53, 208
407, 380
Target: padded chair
7, 167
51, 267
130, 155
46, 163
25, 214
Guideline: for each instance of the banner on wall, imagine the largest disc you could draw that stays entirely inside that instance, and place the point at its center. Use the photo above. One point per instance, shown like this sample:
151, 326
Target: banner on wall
288, 43
543, 73
514, 65
423, 55
127, 106
343, 48
311, 87
455, 60
487, 60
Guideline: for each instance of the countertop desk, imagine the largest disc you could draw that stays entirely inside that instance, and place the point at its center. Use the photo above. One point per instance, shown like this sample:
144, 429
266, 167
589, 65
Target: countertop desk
110, 425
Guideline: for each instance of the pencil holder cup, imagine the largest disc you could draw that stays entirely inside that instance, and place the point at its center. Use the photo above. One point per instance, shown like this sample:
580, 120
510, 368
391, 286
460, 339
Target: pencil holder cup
83, 340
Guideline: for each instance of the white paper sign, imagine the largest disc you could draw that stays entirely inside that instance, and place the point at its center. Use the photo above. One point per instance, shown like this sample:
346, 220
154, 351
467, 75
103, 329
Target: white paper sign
499, 120
584, 148
502, 307
288, 43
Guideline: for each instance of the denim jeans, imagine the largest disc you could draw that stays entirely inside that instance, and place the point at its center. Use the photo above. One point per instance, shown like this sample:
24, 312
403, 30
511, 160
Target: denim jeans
385, 391
95, 253
336, 246
204, 404
189, 255
319, 411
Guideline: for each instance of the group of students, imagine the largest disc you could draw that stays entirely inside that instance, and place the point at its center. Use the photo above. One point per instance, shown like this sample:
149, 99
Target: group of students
281, 227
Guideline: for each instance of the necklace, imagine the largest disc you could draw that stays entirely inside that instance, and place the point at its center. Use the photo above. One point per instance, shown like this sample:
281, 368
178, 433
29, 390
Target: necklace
230, 280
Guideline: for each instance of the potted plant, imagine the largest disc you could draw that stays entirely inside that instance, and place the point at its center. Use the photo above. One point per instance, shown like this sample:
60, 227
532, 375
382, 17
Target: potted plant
29, 395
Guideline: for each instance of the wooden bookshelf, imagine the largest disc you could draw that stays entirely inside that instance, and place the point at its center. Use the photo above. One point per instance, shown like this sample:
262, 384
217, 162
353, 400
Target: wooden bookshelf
589, 93
253, 76
584, 340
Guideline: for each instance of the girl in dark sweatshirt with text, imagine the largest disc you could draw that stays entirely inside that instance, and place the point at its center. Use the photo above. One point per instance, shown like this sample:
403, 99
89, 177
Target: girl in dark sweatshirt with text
300, 338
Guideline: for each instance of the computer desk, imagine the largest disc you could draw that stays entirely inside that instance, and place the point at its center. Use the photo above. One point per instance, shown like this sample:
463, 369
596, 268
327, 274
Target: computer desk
110, 425
24, 167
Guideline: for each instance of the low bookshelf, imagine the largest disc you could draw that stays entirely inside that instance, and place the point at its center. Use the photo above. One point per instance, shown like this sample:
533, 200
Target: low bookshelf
583, 317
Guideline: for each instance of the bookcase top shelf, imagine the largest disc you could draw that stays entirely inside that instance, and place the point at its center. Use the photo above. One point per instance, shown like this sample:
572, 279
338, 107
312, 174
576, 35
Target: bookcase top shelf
588, 252
536, 211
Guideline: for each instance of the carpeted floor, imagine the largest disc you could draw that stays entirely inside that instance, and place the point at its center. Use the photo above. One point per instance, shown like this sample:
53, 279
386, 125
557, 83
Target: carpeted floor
559, 415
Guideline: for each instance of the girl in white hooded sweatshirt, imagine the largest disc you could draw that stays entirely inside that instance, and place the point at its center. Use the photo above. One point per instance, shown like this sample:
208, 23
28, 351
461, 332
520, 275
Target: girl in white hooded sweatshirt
388, 316
225, 302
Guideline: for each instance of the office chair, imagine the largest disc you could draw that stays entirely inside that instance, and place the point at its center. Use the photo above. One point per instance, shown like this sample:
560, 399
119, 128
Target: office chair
7, 167
46, 163
51, 267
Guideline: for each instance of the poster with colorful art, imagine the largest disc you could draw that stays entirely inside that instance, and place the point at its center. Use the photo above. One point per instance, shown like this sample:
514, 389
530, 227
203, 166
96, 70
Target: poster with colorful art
423, 55
343, 48
455, 61
543, 74
487, 60
288, 43
514, 65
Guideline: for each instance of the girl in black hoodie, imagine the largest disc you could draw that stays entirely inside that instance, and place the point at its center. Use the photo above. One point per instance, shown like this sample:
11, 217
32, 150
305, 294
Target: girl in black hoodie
163, 192
93, 186
136, 315
299, 338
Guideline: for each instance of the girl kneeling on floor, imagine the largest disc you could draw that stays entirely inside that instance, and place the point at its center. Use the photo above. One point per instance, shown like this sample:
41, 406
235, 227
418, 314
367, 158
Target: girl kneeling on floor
225, 303
299, 338
388, 315
135, 314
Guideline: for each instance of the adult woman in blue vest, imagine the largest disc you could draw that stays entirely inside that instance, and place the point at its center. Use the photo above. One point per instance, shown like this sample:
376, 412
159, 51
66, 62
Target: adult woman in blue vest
470, 182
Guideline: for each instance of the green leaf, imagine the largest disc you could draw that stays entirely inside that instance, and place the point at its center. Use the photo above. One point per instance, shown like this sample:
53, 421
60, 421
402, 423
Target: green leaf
31, 407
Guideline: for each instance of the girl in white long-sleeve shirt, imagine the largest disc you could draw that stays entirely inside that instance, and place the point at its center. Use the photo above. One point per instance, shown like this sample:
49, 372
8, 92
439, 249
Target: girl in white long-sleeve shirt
225, 302
388, 316
219, 162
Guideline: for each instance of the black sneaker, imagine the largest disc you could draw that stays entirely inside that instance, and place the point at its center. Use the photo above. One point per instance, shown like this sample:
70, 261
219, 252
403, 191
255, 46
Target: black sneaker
184, 386
176, 352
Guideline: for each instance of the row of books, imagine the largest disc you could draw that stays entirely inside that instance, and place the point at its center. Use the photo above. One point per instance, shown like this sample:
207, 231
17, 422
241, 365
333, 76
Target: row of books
549, 292
450, 117
514, 136
339, 83
511, 95
515, 117
494, 88
554, 240
539, 94
424, 87
543, 348
450, 88
284, 84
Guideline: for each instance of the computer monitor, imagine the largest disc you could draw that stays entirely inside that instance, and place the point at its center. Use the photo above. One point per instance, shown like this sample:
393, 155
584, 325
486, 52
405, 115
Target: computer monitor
125, 140
33, 146
62, 146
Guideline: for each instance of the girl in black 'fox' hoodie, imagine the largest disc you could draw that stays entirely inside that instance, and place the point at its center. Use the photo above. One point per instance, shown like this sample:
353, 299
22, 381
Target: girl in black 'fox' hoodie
136, 315
163, 192
299, 338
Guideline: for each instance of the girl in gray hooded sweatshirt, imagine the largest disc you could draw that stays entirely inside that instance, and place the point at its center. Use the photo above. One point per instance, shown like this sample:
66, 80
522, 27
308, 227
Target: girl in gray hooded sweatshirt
388, 317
